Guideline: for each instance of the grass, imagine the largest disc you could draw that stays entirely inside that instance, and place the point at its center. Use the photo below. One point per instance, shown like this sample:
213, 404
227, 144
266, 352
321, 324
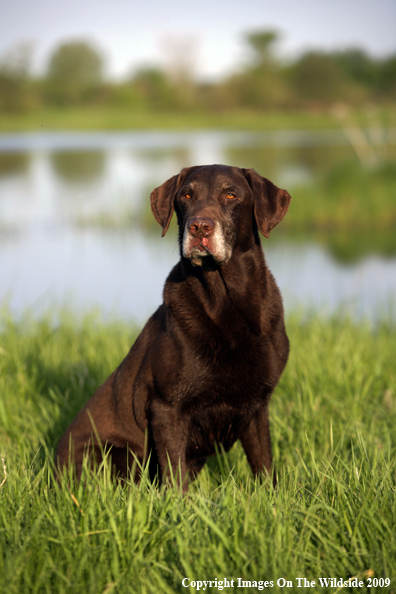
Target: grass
334, 434
122, 118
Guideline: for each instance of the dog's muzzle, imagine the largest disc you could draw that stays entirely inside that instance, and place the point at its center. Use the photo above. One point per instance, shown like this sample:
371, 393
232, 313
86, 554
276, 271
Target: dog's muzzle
203, 237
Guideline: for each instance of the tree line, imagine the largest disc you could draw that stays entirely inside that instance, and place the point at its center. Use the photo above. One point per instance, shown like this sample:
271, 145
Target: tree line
314, 80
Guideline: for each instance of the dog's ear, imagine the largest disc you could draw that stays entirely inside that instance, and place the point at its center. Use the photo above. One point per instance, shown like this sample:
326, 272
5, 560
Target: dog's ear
162, 199
270, 202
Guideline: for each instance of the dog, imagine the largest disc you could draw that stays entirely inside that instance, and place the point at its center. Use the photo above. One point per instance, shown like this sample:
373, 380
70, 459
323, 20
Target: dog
201, 372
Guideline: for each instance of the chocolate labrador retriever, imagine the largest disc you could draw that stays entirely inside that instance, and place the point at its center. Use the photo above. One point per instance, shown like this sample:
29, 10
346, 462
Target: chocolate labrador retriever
201, 373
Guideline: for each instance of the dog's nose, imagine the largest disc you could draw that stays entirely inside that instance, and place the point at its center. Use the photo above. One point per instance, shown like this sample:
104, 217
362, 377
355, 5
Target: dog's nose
201, 226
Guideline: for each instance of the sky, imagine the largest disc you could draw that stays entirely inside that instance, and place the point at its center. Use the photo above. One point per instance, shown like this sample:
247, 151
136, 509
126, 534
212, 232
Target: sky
205, 34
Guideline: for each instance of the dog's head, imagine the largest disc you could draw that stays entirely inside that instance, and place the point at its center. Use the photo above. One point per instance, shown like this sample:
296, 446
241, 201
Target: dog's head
218, 209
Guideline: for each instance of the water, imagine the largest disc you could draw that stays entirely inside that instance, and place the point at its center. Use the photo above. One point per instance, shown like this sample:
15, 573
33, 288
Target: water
64, 198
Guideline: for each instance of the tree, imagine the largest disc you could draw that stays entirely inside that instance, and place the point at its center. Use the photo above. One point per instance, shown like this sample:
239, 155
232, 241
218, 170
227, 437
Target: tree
262, 46
261, 84
358, 66
17, 91
387, 77
319, 79
75, 70
156, 89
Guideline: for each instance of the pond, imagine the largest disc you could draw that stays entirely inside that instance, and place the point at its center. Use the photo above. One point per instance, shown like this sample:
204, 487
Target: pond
74, 230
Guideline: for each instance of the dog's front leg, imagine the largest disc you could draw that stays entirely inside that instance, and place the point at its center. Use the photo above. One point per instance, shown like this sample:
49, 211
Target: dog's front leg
256, 442
170, 436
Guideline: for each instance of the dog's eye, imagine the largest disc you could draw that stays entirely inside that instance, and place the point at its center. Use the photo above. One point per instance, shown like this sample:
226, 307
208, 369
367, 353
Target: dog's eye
188, 195
230, 195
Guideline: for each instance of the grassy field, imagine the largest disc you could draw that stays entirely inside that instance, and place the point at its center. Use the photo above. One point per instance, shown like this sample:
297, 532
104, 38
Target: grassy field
333, 420
116, 118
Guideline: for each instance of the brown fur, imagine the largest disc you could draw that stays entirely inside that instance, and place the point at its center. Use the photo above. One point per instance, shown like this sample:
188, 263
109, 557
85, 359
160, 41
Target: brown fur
201, 373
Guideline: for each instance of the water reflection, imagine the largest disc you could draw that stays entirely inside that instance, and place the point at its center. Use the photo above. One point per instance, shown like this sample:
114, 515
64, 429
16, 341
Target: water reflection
290, 165
123, 273
78, 167
80, 204
13, 164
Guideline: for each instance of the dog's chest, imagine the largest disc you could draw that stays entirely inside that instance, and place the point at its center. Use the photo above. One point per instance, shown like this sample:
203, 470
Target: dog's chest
218, 423
234, 382
220, 397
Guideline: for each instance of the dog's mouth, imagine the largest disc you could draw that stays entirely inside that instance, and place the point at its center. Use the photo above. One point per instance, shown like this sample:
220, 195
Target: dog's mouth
200, 244
200, 251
